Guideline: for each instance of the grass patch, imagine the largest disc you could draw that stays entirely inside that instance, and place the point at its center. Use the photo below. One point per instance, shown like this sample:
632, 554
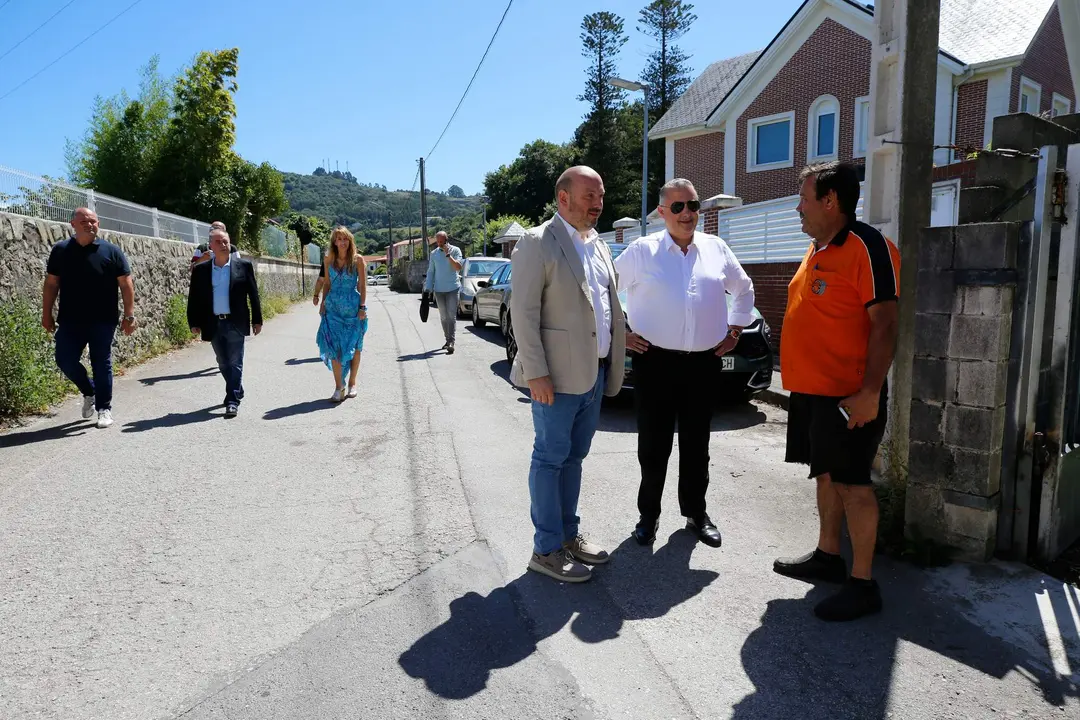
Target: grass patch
29, 378
176, 323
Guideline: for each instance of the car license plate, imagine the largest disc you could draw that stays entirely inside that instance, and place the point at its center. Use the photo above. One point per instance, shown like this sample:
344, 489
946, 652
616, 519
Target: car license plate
727, 363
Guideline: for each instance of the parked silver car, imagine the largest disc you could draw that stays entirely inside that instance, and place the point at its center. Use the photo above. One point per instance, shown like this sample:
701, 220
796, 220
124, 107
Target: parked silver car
474, 271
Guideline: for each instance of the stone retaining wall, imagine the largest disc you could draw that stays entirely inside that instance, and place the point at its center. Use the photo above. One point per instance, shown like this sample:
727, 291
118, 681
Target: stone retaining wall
160, 268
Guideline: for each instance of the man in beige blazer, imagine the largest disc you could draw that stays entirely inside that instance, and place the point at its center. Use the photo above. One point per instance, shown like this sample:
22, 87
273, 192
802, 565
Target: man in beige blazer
571, 340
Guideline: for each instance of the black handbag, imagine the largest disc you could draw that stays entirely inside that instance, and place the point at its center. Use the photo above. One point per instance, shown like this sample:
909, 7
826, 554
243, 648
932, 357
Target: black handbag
425, 306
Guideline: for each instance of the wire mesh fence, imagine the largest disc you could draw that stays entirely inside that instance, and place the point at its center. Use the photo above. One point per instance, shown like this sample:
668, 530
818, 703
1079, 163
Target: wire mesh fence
49, 199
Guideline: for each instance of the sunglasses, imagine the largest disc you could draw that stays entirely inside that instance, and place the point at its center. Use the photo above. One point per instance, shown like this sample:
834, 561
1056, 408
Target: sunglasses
677, 206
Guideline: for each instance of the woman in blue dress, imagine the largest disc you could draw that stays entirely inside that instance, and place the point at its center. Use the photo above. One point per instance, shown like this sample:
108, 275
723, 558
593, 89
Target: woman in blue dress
344, 312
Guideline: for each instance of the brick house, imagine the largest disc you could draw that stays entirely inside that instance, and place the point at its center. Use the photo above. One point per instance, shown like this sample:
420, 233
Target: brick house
748, 124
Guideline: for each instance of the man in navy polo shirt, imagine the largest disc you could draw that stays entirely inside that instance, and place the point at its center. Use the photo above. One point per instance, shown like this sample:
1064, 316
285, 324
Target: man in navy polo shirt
88, 274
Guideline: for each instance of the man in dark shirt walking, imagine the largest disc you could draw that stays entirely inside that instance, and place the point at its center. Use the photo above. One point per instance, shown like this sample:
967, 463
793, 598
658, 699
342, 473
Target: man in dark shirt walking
88, 274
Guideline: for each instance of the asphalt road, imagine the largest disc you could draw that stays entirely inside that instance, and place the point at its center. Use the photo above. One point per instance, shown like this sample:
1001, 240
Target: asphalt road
368, 560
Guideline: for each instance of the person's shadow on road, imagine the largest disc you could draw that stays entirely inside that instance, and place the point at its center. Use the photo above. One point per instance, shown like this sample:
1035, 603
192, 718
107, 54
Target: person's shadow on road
503, 628
208, 372
309, 406
806, 668
172, 420
55, 432
426, 355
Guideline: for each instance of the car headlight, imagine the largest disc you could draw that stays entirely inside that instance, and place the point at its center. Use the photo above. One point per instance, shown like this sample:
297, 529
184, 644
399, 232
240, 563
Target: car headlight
766, 329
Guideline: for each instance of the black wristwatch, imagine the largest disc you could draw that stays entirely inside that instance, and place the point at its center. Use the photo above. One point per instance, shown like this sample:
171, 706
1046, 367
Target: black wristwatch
129, 318
364, 308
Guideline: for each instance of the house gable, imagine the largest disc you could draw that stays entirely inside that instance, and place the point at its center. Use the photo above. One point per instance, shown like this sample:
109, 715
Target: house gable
832, 61
1045, 64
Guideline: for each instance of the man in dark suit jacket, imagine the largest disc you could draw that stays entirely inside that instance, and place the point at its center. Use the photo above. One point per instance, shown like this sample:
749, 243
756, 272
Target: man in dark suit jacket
218, 310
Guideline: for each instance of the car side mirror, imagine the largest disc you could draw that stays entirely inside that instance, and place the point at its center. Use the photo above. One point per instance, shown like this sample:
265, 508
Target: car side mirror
483, 284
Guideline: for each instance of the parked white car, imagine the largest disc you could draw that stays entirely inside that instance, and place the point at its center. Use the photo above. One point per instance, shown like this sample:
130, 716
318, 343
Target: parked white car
473, 271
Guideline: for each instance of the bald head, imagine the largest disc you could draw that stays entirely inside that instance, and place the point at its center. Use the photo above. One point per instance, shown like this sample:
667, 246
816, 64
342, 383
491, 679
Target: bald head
441, 238
85, 222
580, 193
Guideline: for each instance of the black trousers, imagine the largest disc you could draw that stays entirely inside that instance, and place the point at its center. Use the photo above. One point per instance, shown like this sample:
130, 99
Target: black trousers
672, 388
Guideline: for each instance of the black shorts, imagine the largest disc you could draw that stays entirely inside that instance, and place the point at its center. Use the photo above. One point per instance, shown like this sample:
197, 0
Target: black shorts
818, 436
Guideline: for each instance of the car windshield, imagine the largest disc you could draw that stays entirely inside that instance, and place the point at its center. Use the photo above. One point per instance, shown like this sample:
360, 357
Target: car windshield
482, 268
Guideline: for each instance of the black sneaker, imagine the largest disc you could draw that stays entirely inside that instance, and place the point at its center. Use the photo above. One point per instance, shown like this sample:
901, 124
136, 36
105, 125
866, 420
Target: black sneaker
855, 599
450, 349
816, 565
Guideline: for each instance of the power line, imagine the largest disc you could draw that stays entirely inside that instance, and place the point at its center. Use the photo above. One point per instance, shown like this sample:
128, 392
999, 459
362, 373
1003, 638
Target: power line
34, 31
70, 50
490, 42
4, 5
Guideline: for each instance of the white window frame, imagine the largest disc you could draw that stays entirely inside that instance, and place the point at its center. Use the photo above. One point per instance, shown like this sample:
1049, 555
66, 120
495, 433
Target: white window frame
859, 129
1031, 88
751, 141
824, 105
1060, 100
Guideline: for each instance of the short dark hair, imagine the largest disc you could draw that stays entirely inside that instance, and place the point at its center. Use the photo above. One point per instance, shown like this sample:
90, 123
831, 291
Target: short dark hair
839, 177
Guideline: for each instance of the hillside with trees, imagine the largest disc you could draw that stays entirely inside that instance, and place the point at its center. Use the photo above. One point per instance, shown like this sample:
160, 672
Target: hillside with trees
338, 198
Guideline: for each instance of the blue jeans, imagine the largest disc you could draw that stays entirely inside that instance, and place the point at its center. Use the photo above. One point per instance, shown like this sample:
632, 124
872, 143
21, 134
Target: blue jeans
228, 345
564, 432
71, 340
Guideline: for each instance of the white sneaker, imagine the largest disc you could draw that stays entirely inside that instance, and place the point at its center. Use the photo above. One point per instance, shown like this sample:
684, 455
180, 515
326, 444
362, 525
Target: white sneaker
88, 407
104, 418
338, 396
352, 392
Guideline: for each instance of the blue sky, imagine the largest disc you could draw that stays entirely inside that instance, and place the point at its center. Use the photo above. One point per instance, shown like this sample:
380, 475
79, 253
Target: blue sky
371, 83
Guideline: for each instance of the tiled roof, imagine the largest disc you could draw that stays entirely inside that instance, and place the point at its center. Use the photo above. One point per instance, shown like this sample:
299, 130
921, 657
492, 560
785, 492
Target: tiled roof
979, 31
972, 31
513, 232
704, 94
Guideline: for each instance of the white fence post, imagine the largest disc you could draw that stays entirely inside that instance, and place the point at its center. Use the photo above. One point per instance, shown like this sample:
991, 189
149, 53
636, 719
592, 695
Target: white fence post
91, 202
157, 224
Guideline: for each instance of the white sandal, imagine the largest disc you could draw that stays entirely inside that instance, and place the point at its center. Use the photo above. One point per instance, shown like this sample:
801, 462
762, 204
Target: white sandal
338, 395
352, 392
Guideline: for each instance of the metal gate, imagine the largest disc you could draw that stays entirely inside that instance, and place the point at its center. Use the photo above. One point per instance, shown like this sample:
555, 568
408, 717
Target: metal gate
1041, 451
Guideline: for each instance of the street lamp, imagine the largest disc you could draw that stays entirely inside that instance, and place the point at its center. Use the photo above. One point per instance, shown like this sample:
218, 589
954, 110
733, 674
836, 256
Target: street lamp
485, 199
644, 87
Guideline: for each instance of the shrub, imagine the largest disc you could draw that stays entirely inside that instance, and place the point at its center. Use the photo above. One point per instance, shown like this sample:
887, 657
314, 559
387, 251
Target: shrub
29, 378
176, 324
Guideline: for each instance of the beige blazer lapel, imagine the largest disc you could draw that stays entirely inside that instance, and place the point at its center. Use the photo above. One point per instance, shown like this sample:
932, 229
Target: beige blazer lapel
566, 244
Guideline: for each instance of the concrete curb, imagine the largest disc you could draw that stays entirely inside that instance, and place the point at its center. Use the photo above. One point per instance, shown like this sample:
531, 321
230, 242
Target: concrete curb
774, 396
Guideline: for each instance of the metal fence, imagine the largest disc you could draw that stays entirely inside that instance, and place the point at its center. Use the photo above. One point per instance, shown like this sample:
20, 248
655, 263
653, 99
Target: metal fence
48, 199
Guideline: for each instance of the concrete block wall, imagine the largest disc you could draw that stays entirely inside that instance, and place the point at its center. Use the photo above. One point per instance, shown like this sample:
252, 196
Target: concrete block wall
160, 268
964, 305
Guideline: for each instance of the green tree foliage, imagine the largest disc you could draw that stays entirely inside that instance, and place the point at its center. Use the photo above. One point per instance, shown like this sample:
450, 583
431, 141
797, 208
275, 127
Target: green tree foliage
366, 209
602, 39
455, 191
125, 137
526, 187
173, 149
667, 71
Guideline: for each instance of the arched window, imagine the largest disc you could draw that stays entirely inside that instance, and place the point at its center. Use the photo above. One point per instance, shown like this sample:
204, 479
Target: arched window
823, 129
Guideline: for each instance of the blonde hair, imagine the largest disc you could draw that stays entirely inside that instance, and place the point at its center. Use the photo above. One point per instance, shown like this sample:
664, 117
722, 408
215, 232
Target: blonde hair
350, 259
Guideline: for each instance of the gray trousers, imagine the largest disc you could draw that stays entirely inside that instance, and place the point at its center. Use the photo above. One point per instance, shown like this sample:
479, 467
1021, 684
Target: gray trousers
447, 304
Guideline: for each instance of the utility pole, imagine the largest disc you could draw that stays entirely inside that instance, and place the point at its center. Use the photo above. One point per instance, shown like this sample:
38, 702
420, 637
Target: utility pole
390, 238
423, 210
899, 175
485, 199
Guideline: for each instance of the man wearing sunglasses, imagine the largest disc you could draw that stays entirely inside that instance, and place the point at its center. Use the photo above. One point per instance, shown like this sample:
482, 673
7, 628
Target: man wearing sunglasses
675, 283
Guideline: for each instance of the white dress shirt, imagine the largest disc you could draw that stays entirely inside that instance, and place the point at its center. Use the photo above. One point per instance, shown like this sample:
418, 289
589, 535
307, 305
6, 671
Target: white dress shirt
597, 278
676, 301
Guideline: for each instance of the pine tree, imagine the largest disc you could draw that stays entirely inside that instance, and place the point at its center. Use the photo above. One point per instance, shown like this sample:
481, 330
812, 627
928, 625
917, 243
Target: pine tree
667, 71
602, 39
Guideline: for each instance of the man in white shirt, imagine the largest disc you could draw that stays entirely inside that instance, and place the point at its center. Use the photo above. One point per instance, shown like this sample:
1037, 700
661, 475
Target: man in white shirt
676, 282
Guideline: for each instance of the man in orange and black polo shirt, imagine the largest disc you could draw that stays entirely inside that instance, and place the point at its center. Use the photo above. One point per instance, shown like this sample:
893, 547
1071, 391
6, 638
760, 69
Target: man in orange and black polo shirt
838, 341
